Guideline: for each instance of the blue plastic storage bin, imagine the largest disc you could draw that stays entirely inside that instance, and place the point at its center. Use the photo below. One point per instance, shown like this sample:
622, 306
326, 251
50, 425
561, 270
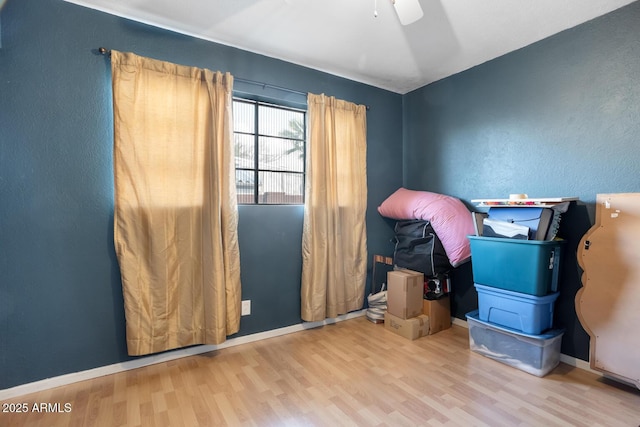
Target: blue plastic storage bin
527, 266
534, 354
522, 312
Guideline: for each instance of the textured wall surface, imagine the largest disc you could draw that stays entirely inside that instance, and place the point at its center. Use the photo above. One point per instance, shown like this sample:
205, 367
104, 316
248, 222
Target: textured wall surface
557, 118
61, 307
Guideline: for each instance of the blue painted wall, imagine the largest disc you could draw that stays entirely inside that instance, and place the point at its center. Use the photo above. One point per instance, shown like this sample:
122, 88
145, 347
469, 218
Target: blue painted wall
61, 307
557, 118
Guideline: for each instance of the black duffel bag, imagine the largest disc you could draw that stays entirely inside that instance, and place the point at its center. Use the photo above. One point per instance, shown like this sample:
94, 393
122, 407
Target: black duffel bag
418, 248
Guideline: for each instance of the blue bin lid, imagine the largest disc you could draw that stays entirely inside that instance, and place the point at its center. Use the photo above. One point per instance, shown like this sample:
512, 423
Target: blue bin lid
475, 316
518, 296
506, 240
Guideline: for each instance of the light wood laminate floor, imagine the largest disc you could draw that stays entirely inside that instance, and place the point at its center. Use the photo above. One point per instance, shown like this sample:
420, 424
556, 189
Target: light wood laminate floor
352, 373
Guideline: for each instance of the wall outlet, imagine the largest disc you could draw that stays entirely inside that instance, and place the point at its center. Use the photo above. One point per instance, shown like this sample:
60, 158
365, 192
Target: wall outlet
246, 307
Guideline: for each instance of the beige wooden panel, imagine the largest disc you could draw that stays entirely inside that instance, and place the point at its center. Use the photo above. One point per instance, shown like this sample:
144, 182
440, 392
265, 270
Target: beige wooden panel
608, 304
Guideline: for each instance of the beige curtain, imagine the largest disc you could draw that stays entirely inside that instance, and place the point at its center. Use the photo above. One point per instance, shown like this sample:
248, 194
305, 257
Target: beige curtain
334, 241
175, 203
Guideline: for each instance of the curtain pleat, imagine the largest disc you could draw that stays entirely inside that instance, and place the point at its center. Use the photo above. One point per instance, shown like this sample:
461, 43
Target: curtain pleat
175, 221
334, 241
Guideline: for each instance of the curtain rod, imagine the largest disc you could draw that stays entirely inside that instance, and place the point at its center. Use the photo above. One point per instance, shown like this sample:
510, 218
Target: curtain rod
107, 52
270, 86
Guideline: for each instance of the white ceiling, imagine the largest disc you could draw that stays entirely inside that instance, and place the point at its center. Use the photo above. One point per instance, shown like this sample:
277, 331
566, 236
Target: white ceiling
343, 37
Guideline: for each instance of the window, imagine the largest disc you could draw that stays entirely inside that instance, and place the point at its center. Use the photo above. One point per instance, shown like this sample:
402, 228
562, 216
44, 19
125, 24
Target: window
269, 152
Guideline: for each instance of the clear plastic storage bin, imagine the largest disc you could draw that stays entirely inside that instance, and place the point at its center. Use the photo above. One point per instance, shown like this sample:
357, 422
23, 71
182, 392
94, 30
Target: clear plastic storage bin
534, 354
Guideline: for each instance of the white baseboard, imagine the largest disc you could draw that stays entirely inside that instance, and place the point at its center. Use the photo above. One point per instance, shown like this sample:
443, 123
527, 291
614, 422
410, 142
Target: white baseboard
66, 379
459, 322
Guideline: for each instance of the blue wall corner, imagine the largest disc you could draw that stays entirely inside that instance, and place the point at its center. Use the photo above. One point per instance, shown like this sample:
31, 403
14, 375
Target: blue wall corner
556, 118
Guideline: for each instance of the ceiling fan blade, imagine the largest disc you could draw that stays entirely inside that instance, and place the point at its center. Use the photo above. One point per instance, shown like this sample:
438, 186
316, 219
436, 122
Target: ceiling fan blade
409, 11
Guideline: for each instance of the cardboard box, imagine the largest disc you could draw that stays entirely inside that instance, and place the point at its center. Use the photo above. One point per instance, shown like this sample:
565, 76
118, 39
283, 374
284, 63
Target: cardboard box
413, 328
405, 289
439, 313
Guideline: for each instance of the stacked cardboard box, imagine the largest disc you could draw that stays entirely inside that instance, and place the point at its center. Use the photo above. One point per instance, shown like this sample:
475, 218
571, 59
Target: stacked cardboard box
408, 313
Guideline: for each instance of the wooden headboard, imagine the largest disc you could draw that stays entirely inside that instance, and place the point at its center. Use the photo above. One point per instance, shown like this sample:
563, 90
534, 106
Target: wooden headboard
608, 304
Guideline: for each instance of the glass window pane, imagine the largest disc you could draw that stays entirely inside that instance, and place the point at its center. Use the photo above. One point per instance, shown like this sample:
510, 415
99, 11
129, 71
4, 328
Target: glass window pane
244, 150
244, 117
281, 188
281, 154
245, 185
280, 122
